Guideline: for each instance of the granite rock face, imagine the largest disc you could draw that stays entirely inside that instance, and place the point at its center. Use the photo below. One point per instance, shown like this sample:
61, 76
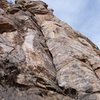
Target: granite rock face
43, 58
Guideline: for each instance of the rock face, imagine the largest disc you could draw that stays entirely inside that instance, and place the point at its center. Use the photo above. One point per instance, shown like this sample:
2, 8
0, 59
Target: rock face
3, 4
43, 58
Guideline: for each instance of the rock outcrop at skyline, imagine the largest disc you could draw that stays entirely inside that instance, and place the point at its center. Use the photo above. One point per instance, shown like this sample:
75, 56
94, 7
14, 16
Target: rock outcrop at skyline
43, 58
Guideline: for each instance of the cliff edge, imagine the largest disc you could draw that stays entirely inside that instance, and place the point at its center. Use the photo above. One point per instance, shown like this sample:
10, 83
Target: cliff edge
43, 58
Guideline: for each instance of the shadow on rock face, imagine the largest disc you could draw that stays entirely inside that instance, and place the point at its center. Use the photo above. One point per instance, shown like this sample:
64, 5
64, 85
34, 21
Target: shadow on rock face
8, 72
6, 25
71, 92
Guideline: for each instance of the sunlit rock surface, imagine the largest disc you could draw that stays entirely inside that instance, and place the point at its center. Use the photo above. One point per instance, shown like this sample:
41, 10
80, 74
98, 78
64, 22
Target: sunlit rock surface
43, 58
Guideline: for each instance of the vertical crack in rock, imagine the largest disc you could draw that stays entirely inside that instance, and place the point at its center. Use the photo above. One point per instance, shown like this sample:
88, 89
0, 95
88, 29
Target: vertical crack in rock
43, 58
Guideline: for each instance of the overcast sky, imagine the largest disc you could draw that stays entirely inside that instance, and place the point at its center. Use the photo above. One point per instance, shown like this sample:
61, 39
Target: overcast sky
82, 15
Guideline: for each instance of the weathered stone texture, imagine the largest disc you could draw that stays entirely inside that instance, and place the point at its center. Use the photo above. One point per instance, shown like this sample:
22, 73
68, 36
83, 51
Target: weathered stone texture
43, 58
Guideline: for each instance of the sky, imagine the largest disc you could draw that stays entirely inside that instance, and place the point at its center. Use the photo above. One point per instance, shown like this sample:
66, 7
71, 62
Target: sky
82, 15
